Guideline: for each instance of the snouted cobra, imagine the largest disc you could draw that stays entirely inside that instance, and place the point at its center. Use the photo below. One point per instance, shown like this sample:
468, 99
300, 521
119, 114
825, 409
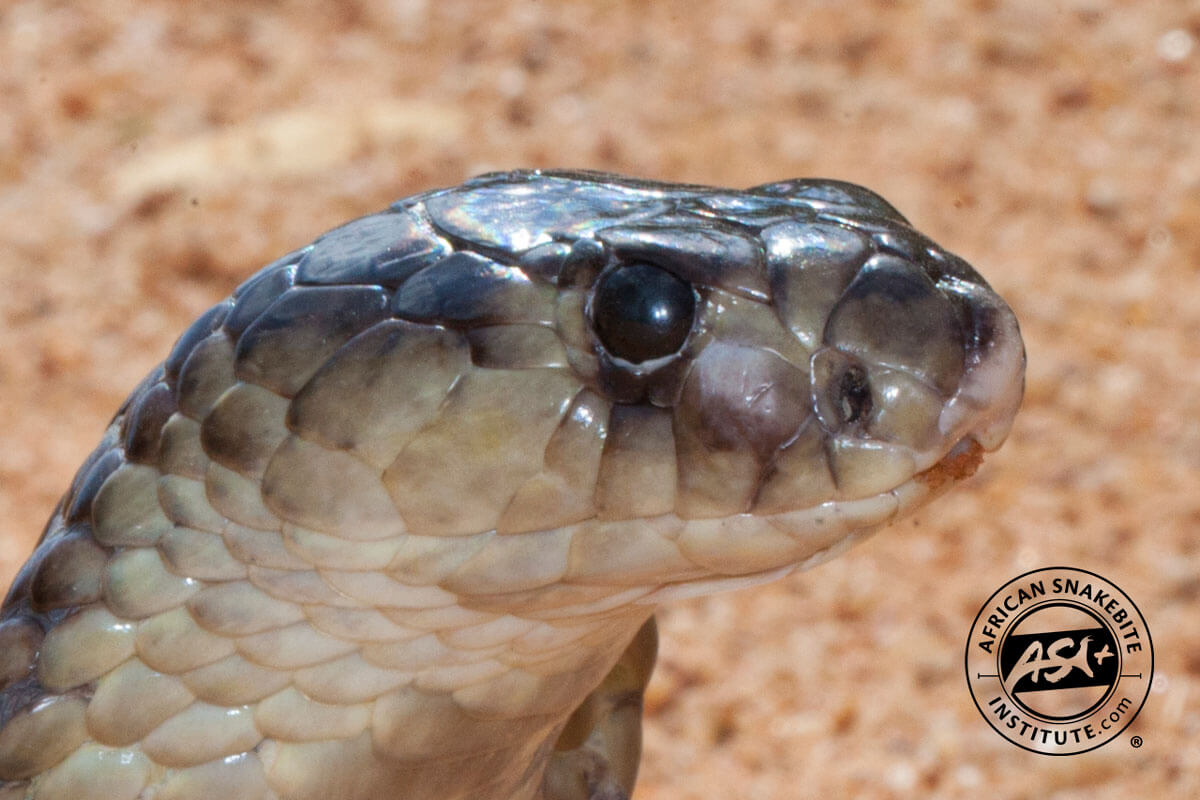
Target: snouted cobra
391, 522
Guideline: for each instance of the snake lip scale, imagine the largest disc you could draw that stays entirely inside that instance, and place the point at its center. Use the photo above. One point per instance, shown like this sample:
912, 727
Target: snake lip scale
392, 520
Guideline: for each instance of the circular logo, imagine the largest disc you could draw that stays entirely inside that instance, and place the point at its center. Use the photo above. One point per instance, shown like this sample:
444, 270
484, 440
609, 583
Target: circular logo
1059, 661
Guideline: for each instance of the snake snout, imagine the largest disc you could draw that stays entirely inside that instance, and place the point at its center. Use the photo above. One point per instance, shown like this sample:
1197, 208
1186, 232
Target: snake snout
990, 391
916, 363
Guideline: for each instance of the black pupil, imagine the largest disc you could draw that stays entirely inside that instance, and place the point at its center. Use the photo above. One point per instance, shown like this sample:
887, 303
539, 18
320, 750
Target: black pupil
855, 403
642, 312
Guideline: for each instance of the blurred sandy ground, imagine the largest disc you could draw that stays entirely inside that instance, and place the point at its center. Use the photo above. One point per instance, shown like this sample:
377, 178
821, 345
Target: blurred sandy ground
154, 153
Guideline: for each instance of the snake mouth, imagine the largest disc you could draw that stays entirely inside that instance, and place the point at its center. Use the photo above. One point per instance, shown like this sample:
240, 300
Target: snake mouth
747, 550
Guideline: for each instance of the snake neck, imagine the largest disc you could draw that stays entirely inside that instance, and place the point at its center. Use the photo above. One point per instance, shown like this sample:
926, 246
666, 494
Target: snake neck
338, 665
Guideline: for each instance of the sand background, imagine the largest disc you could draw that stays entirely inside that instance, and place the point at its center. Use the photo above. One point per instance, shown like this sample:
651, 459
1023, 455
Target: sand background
153, 154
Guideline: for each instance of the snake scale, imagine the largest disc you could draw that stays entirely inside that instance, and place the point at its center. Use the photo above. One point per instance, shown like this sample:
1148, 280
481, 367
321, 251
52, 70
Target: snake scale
391, 522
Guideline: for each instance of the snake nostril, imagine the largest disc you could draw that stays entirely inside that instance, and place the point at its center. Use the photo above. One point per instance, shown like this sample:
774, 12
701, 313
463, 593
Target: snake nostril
841, 391
854, 395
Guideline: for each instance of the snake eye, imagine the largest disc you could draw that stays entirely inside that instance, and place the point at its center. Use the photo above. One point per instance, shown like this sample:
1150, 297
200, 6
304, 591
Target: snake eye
642, 312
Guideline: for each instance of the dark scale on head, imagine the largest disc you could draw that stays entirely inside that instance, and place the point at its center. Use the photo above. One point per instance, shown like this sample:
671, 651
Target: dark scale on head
642, 312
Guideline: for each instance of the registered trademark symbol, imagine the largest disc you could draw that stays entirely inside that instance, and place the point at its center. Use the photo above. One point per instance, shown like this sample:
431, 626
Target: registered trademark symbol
1136, 741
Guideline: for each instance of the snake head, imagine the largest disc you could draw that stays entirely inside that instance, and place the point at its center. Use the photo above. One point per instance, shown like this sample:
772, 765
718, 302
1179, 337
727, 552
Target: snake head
769, 374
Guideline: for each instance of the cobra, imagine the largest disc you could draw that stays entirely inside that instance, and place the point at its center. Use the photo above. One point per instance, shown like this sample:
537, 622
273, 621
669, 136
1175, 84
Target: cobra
392, 521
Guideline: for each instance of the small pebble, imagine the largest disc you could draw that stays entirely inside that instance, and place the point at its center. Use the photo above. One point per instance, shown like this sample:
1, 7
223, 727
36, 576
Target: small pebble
1175, 46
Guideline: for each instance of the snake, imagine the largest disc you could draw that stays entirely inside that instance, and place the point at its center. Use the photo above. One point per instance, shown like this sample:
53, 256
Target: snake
391, 522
